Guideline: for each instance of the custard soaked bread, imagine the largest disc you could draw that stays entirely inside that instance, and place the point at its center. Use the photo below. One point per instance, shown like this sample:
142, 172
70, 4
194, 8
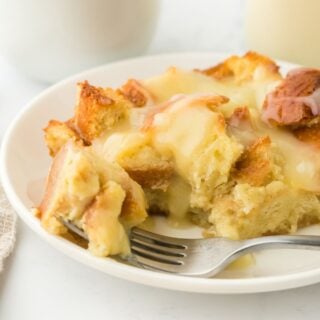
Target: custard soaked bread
233, 148
96, 195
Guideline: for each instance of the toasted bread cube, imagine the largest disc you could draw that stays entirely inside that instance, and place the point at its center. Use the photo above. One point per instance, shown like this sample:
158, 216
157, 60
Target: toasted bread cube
294, 102
134, 152
147, 167
57, 134
243, 68
255, 164
98, 110
136, 93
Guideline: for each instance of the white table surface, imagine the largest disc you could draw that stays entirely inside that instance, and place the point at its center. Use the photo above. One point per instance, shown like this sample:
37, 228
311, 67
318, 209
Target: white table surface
41, 283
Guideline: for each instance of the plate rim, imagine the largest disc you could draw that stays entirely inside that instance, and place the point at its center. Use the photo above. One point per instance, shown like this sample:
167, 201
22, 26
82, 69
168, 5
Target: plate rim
131, 273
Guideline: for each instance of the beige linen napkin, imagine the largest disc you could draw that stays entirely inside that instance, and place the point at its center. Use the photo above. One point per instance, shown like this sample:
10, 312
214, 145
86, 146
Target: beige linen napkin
7, 227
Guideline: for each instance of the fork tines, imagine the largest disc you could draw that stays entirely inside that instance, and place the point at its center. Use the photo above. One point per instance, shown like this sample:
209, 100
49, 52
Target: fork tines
158, 252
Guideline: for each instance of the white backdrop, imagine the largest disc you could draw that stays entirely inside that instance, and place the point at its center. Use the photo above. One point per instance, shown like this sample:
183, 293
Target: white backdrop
41, 283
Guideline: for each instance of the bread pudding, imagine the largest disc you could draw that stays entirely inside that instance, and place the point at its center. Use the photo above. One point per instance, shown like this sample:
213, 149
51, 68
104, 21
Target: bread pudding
233, 148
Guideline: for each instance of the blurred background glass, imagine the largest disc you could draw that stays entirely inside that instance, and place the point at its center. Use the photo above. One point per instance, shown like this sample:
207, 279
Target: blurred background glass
51, 39
200, 25
285, 29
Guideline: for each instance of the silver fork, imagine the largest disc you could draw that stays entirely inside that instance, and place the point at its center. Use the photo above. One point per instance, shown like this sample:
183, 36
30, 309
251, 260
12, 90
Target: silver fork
199, 257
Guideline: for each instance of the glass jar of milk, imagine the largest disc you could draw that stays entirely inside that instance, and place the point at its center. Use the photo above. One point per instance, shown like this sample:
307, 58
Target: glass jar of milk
285, 29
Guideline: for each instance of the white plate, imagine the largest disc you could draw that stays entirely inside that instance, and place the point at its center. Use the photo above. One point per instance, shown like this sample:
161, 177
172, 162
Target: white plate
25, 162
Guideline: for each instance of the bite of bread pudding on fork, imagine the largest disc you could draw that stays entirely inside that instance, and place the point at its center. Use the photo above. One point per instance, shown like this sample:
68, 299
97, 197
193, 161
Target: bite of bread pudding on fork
233, 148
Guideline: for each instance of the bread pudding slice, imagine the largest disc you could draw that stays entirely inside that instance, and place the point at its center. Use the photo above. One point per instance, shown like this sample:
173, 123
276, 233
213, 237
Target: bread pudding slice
93, 194
208, 146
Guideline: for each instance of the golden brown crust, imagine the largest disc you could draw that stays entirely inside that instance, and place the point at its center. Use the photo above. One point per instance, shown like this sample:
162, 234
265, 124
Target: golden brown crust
153, 177
71, 125
290, 103
147, 167
309, 135
211, 101
136, 93
57, 134
132, 214
254, 166
220, 71
98, 110
242, 68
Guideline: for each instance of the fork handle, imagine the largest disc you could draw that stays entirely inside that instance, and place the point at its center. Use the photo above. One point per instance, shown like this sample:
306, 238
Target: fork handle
281, 242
